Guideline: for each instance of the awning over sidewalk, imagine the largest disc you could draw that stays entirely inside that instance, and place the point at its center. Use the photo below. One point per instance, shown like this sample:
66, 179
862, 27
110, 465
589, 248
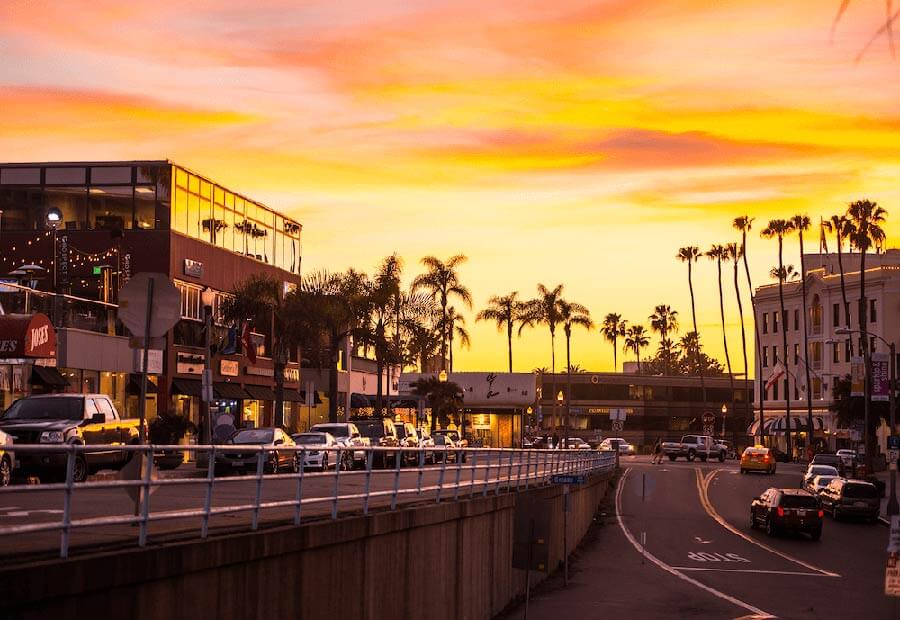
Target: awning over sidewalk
259, 392
47, 376
317, 399
228, 391
134, 385
360, 400
27, 335
187, 387
778, 424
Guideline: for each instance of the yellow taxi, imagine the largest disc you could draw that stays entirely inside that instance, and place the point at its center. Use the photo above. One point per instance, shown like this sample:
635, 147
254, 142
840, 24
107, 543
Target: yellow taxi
757, 458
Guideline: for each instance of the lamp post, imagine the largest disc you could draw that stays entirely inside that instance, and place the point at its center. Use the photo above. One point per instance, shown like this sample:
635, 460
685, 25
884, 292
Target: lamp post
893, 507
724, 413
559, 400
207, 298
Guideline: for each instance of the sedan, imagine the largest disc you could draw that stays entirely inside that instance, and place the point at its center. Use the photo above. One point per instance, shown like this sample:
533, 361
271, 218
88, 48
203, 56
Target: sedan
818, 470
576, 443
445, 449
780, 510
848, 457
617, 444
818, 484
233, 459
317, 454
757, 458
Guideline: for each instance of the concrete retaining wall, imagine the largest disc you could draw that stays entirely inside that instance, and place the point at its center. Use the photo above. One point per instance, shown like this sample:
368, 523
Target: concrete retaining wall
449, 560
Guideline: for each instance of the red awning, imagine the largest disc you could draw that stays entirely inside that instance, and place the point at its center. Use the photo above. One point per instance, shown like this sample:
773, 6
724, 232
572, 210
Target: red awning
26, 335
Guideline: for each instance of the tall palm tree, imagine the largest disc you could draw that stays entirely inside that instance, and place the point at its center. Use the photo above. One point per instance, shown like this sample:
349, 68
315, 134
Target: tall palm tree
867, 219
544, 309
801, 225
572, 314
613, 328
506, 311
842, 227
778, 229
384, 293
456, 329
733, 253
664, 321
744, 224
690, 255
718, 253
442, 281
635, 340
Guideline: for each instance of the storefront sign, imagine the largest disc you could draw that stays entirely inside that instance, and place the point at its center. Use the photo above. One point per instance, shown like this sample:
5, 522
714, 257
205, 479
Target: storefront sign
229, 368
189, 363
292, 375
26, 335
485, 389
62, 249
259, 371
481, 421
881, 376
193, 268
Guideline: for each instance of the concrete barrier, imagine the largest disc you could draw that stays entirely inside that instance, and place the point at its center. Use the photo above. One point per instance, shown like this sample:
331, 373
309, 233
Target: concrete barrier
450, 560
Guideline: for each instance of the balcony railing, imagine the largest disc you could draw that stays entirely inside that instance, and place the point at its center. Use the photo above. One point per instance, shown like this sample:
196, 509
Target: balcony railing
65, 311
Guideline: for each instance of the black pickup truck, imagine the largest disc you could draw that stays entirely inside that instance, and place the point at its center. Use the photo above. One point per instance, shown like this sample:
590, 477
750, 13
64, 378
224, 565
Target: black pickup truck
61, 419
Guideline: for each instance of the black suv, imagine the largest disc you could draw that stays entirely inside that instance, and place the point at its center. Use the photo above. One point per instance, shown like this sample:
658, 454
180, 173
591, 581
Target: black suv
780, 510
382, 434
830, 459
845, 498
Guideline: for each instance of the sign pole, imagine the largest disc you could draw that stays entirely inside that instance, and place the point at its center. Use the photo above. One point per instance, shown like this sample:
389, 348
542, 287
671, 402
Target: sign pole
145, 355
892, 507
566, 534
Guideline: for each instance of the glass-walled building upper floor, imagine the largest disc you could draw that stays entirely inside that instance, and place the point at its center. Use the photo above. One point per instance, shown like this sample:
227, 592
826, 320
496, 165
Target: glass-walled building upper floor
156, 195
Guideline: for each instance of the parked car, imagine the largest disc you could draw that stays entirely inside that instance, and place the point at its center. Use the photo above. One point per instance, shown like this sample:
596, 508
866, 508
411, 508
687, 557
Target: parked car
409, 438
577, 443
849, 458
851, 498
458, 440
757, 458
7, 459
830, 459
347, 435
617, 444
728, 447
779, 510
232, 459
66, 419
692, 447
446, 448
818, 470
818, 484
381, 433
316, 456
426, 441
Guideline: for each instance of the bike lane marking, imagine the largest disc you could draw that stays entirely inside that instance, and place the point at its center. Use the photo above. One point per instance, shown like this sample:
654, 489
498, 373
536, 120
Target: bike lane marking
670, 569
748, 570
703, 490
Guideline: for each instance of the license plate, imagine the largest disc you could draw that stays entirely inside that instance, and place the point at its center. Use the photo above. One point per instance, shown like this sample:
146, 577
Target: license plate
802, 513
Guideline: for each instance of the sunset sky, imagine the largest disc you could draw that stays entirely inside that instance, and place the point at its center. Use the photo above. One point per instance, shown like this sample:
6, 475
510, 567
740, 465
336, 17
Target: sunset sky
569, 141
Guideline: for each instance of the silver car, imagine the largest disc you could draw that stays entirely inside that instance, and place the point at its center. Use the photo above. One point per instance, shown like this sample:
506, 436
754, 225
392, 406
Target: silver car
347, 435
232, 459
315, 456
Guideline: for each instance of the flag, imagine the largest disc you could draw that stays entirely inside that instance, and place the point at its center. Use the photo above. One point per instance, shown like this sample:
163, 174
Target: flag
777, 373
823, 240
229, 344
247, 343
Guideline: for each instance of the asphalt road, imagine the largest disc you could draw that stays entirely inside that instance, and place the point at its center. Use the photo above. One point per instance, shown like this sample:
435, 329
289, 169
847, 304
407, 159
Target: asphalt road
702, 559
34, 505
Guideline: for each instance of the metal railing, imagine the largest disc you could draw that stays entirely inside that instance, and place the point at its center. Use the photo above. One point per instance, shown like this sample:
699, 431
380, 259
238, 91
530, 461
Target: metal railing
472, 472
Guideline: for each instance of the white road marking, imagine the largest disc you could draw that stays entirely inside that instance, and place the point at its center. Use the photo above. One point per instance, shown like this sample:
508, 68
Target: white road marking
748, 570
703, 556
25, 513
669, 569
702, 489
701, 541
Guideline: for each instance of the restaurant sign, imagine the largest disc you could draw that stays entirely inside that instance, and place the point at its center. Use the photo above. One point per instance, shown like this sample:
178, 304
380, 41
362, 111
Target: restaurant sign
27, 335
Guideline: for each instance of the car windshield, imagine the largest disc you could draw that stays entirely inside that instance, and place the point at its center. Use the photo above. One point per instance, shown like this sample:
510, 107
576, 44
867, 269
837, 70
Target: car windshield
823, 481
310, 438
371, 429
826, 459
254, 435
799, 501
46, 409
753, 452
401, 430
816, 470
338, 430
440, 440
861, 491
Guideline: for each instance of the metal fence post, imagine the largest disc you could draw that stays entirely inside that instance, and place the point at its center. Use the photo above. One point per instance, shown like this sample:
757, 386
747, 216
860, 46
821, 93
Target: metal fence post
458, 474
337, 476
398, 459
210, 477
260, 466
421, 461
67, 503
370, 456
487, 475
299, 505
474, 465
441, 479
144, 490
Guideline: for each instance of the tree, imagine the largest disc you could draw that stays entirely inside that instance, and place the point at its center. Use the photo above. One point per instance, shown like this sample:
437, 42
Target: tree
842, 228
690, 255
744, 224
505, 311
692, 354
456, 329
442, 281
664, 321
544, 309
801, 225
445, 399
383, 293
778, 229
613, 328
718, 253
867, 219
733, 253
850, 410
421, 334
572, 314
635, 340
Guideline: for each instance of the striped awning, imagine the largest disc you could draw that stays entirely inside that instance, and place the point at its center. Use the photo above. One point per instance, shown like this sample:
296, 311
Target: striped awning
779, 424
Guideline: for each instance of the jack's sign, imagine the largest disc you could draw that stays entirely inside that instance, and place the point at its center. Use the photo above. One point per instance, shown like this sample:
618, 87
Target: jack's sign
26, 335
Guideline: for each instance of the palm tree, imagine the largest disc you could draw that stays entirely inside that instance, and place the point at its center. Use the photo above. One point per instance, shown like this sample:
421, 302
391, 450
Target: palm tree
545, 309
420, 335
576, 369
384, 292
718, 253
690, 255
733, 253
613, 328
442, 281
635, 340
867, 219
444, 397
842, 228
572, 314
456, 328
663, 321
801, 225
505, 310
778, 229
744, 224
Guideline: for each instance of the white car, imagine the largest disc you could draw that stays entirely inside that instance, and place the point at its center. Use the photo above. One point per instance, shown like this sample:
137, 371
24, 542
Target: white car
577, 443
818, 470
318, 459
818, 483
348, 436
617, 443
848, 457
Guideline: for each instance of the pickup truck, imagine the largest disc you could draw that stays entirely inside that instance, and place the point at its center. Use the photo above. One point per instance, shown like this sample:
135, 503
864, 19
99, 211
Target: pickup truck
694, 446
60, 419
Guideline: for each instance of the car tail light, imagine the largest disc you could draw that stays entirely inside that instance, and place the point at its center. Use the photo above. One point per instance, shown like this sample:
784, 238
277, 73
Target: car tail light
780, 511
766, 458
821, 513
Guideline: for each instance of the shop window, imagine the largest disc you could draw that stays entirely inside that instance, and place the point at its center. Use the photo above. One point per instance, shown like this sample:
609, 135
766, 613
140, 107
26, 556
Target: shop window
22, 208
145, 207
110, 208
70, 201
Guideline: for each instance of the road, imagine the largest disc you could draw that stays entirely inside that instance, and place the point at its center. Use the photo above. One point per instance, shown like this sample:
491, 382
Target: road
703, 560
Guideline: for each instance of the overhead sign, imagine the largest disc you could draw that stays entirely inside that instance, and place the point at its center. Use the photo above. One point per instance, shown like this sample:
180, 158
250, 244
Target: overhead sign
26, 335
164, 307
618, 414
881, 377
893, 442
485, 389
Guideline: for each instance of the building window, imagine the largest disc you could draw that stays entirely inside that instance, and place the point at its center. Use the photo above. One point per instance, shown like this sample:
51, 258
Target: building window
872, 343
774, 354
765, 357
835, 315
765, 322
191, 306
835, 352
775, 322
775, 391
796, 392
796, 354
817, 388
847, 350
873, 315
796, 319
815, 315
815, 355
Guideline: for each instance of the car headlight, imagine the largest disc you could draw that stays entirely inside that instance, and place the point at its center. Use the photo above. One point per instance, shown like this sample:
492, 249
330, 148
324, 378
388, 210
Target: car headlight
51, 437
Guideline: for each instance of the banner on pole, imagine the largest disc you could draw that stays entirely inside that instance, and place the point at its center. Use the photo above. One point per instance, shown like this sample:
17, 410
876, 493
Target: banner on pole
881, 377
857, 376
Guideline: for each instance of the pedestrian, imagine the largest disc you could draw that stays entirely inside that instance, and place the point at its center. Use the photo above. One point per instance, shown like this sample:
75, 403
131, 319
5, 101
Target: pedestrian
657, 452
555, 440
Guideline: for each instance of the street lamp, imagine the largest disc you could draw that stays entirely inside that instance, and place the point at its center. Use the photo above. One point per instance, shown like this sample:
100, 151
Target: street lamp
559, 399
54, 216
442, 376
724, 413
207, 298
892, 508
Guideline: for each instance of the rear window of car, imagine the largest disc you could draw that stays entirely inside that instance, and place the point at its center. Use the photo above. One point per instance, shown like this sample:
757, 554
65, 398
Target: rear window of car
371, 429
861, 491
336, 430
756, 451
798, 501
826, 459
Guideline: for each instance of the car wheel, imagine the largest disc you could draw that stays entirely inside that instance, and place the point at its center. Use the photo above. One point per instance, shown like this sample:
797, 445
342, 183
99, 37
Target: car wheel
5, 471
752, 521
835, 513
324, 462
771, 530
80, 471
816, 534
743, 471
721, 457
704, 457
691, 455
672, 457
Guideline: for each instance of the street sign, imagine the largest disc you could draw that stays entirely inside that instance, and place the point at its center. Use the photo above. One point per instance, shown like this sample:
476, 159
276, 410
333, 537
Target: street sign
892, 577
618, 425
894, 442
165, 307
567, 479
894, 536
881, 377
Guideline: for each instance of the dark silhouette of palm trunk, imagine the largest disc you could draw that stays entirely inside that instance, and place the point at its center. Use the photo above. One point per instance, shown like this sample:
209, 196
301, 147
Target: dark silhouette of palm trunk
450, 346
444, 335
844, 290
553, 373
568, 384
737, 293
864, 349
784, 353
334, 355
697, 333
806, 356
762, 385
724, 334
509, 331
615, 349
379, 366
